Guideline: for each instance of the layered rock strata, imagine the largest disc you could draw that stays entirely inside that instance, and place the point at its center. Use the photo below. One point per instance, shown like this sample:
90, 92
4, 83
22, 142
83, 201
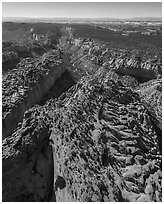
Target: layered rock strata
122, 61
28, 160
25, 86
108, 151
14, 52
105, 146
99, 141
151, 94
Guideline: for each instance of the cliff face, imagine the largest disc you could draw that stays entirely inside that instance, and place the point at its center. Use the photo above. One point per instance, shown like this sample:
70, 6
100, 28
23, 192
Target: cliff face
151, 94
104, 149
27, 162
96, 140
15, 52
105, 152
88, 55
27, 85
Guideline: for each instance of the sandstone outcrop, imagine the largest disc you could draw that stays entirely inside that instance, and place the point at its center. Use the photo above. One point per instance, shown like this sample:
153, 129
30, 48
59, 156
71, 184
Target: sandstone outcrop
151, 94
142, 71
27, 161
103, 153
122, 61
104, 149
97, 140
14, 52
26, 85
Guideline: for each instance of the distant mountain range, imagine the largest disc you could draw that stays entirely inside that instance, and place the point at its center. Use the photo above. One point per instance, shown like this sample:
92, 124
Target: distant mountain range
28, 19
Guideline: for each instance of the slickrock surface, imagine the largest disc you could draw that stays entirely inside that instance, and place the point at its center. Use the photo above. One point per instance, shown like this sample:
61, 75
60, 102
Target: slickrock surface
143, 71
151, 93
90, 55
104, 142
26, 85
97, 140
108, 151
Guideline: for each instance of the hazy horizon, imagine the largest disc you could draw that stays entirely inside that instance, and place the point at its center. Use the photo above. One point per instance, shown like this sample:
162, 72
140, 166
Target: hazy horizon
82, 9
80, 17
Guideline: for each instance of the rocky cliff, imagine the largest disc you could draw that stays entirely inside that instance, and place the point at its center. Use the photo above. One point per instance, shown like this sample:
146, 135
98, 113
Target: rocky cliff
105, 152
103, 148
151, 95
89, 55
96, 140
28, 168
25, 86
14, 52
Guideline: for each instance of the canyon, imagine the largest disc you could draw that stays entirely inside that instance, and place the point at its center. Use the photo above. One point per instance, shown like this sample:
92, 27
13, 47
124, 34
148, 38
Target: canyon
82, 123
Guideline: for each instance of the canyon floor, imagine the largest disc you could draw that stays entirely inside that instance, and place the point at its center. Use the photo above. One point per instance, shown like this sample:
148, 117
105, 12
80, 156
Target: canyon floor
81, 119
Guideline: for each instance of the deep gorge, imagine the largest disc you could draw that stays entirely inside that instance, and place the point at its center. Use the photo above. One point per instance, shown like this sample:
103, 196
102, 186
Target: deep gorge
80, 117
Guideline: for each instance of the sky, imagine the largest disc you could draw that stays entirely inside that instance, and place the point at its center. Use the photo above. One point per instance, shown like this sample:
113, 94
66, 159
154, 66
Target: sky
82, 9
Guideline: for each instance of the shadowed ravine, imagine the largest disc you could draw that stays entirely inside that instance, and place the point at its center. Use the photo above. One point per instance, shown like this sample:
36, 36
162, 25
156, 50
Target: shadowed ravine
91, 131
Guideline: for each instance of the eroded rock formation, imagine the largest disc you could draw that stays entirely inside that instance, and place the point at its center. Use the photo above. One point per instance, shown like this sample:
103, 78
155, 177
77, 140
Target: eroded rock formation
15, 52
104, 149
105, 152
25, 86
96, 140
27, 161
121, 61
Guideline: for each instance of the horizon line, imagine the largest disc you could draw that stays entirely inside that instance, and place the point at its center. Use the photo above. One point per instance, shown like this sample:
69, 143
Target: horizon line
82, 17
